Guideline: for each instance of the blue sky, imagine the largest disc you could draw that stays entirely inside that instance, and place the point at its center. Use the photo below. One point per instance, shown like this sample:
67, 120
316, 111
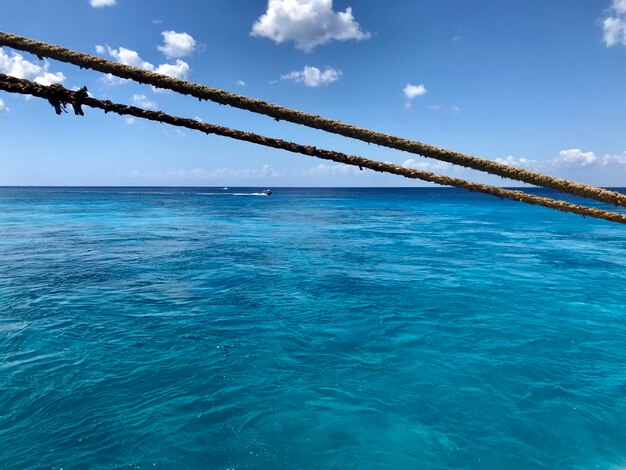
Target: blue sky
540, 84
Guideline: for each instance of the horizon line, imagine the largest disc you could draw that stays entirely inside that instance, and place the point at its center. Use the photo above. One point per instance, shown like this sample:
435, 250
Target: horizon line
28, 186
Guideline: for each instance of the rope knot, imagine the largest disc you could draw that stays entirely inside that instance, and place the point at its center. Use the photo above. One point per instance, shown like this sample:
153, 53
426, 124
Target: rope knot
79, 98
57, 98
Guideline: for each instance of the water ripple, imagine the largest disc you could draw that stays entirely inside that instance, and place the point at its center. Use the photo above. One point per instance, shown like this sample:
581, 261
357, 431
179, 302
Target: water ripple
321, 328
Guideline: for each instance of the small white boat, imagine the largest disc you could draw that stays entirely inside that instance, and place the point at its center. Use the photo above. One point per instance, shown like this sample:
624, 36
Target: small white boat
267, 192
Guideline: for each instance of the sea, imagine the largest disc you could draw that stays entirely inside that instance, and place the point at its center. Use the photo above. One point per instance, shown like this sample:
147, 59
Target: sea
317, 328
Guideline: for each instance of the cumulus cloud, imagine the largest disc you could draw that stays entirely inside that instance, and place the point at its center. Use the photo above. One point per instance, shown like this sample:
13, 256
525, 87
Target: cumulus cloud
308, 23
575, 164
411, 92
142, 101
313, 77
570, 163
575, 157
180, 69
102, 3
15, 65
130, 120
336, 169
521, 162
177, 45
569, 159
620, 6
614, 24
240, 83
129, 57
614, 31
3, 106
426, 165
49, 78
614, 159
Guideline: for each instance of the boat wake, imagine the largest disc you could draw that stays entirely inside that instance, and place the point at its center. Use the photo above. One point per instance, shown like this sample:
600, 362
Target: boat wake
265, 192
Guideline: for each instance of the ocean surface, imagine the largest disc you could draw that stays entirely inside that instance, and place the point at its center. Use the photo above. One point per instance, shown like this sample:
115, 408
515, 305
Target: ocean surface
417, 328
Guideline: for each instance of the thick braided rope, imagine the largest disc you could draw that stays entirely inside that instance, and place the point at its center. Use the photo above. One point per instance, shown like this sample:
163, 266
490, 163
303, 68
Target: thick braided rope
59, 97
82, 60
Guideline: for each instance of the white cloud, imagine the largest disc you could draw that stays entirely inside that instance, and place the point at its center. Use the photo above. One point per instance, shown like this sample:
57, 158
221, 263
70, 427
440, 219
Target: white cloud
130, 120
313, 77
412, 91
332, 170
49, 78
16, 66
574, 157
178, 70
615, 25
3, 107
614, 31
176, 45
426, 165
617, 159
102, 3
129, 57
142, 101
240, 83
520, 162
574, 164
108, 78
620, 6
567, 159
111, 79
308, 23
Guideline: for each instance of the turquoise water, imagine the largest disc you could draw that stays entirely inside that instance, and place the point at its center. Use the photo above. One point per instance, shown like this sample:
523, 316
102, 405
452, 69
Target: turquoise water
316, 328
